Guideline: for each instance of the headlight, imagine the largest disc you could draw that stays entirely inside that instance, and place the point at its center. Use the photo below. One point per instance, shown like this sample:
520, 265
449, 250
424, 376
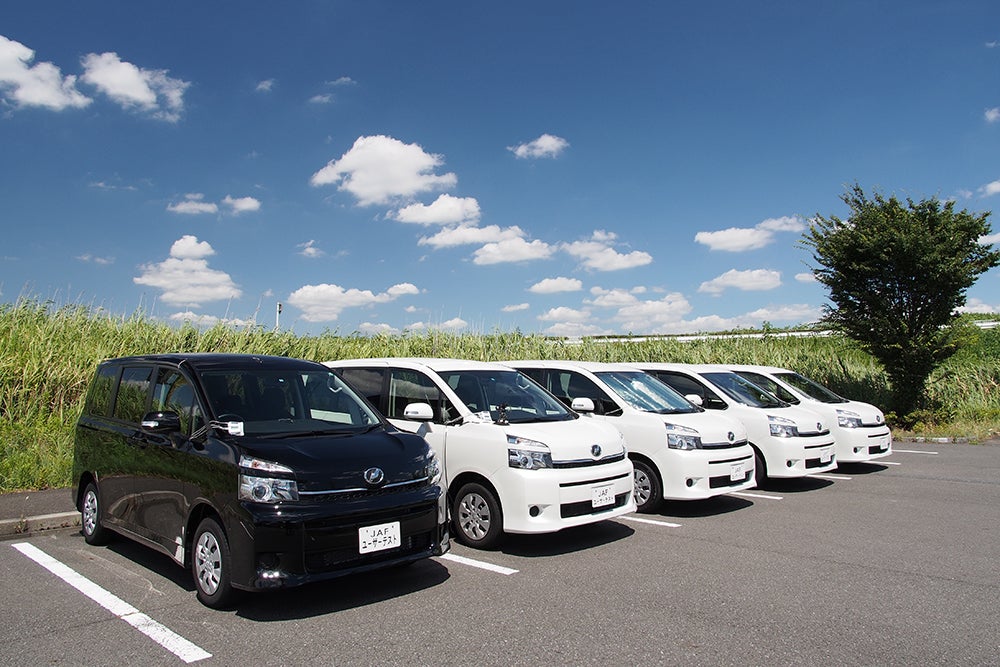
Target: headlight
527, 454
847, 419
682, 437
433, 467
782, 428
266, 489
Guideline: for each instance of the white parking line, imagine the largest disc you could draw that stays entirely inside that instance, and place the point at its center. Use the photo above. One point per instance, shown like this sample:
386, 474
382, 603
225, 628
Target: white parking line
821, 475
478, 563
754, 495
913, 451
887, 463
160, 634
654, 522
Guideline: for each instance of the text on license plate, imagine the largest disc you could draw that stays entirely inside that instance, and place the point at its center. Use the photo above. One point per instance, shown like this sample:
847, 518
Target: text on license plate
737, 472
378, 538
602, 495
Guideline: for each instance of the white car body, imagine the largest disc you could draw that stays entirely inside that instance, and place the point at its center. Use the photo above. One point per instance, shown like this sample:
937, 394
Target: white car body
790, 441
859, 429
680, 451
590, 478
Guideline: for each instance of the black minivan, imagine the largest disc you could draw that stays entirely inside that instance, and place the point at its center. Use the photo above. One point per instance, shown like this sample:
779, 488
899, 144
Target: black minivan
256, 472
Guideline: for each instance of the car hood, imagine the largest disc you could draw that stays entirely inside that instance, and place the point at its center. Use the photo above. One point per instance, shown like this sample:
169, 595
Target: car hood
331, 462
571, 440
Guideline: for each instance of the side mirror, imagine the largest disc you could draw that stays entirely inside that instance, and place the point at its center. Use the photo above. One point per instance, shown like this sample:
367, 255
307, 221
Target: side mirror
161, 422
421, 412
694, 398
582, 404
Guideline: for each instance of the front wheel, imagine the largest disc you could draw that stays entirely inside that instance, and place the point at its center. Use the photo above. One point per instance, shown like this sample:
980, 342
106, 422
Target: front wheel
760, 469
477, 517
211, 564
648, 489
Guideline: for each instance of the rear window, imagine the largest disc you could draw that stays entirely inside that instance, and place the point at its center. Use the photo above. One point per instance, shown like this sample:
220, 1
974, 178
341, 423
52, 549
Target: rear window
133, 392
101, 391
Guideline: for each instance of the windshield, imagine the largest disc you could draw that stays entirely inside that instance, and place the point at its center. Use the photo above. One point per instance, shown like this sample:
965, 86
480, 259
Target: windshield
810, 388
772, 386
743, 391
646, 393
507, 395
286, 402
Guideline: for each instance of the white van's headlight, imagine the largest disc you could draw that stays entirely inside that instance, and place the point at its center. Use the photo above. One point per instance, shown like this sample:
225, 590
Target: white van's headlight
433, 467
527, 454
782, 428
848, 419
266, 489
682, 437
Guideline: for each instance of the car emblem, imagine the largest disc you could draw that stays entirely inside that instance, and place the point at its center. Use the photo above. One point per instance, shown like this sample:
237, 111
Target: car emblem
595, 451
731, 436
878, 419
819, 426
374, 476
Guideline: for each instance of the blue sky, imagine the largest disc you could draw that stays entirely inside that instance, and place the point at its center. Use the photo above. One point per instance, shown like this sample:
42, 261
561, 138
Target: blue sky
570, 168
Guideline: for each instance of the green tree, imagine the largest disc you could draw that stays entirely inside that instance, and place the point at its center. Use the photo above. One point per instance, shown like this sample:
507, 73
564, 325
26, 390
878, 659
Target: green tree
896, 274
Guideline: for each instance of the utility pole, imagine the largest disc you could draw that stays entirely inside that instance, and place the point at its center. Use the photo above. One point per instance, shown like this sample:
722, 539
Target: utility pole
277, 317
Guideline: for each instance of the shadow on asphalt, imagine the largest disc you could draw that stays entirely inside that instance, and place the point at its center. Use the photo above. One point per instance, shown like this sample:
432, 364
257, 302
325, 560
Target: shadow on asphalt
795, 484
860, 468
578, 538
686, 509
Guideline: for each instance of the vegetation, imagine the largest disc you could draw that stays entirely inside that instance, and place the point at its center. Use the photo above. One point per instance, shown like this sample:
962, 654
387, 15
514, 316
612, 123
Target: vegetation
896, 275
49, 356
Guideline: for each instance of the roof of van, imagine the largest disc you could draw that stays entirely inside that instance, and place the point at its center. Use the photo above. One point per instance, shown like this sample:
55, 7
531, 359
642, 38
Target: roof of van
215, 360
434, 364
592, 366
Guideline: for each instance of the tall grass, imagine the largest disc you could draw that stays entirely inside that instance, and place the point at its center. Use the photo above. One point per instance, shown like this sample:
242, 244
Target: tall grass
48, 355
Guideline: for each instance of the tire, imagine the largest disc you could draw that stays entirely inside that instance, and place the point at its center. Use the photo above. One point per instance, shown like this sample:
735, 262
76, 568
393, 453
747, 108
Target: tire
648, 488
90, 517
760, 469
477, 517
211, 564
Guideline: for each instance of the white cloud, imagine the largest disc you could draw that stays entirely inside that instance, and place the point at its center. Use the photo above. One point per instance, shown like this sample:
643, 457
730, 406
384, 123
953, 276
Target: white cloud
325, 98
470, 234
103, 261
598, 254
512, 250
792, 313
324, 303
373, 329
39, 85
378, 169
978, 306
752, 280
446, 210
193, 204
806, 277
613, 298
264, 86
990, 240
342, 81
564, 314
992, 115
989, 189
310, 250
185, 277
241, 204
454, 324
740, 239
150, 91
661, 315
574, 330
515, 307
545, 146
555, 285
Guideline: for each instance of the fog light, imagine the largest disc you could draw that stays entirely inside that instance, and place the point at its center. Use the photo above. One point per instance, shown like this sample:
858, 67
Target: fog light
789, 463
534, 510
857, 449
689, 482
268, 561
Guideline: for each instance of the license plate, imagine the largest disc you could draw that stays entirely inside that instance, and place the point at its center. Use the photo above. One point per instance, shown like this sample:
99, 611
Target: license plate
602, 495
825, 455
378, 538
737, 472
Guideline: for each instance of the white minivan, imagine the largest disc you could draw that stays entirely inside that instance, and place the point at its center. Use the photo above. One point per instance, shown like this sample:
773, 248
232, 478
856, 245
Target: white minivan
788, 441
859, 429
516, 460
679, 450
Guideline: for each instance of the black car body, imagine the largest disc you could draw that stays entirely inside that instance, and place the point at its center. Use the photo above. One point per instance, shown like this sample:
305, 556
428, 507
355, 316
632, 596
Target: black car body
257, 472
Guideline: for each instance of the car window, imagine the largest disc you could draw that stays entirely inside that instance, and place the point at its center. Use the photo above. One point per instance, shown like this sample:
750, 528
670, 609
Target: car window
368, 382
743, 391
101, 391
571, 384
133, 393
767, 383
644, 392
506, 395
409, 386
811, 388
172, 392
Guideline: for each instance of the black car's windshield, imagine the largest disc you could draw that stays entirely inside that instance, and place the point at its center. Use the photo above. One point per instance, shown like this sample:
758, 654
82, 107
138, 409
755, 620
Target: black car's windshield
285, 402
743, 391
644, 392
506, 395
810, 388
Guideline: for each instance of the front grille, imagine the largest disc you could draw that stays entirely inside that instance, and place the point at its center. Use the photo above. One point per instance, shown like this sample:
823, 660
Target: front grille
586, 463
585, 507
336, 559
824, 444
723, 445
586, 482
355, 494
878, 450
724, 480
736, 460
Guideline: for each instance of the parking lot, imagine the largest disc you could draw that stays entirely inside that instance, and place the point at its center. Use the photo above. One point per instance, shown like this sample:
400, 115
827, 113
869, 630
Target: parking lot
890, 563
